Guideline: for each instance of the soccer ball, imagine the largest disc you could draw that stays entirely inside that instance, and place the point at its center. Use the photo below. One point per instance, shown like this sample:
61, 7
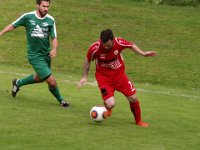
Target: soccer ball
98, 113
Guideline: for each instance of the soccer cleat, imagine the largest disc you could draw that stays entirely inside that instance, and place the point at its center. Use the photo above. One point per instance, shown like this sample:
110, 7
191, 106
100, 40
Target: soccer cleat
15, 88
64, 104
142, 124
109, 112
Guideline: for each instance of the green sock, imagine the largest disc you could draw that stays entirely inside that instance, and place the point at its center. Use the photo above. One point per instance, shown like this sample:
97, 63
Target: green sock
27, 80
56, 93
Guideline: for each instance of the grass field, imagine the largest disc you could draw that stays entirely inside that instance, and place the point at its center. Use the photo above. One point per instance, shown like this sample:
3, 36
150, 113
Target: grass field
168, 85
34, 120
172, 31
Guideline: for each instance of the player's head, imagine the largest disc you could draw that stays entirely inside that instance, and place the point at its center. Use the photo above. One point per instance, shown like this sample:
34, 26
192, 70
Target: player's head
39, 1
107, 38
43, 7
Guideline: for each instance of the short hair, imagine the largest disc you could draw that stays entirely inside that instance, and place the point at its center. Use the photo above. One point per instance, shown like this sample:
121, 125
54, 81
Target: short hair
39, 1
106, 35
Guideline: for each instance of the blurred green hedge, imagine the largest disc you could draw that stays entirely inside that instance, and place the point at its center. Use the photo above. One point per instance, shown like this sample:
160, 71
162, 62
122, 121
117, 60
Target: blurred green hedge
175, 2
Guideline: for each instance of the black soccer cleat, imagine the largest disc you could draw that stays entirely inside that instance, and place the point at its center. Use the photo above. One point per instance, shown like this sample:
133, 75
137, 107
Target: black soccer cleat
64, 104
15, 88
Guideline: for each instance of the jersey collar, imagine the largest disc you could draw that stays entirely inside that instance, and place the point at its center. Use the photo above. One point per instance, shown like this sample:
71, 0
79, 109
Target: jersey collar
40, 17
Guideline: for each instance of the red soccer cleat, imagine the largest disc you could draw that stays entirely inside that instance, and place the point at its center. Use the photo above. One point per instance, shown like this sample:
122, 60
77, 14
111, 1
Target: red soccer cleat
109, 112
142, 124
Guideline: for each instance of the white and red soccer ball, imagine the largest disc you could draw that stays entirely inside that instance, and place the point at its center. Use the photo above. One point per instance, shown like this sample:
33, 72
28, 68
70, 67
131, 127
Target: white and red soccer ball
98, 113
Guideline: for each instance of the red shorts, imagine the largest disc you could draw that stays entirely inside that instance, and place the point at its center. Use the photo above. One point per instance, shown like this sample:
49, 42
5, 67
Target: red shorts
108, 85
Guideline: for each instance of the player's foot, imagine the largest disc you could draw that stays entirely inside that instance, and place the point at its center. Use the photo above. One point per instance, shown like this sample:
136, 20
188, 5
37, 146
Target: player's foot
64, 104
142, 124
109, 112
15, 88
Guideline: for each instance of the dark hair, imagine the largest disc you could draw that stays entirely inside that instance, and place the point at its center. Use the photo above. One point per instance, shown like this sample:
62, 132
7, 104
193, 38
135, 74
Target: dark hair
106, 35
39, 1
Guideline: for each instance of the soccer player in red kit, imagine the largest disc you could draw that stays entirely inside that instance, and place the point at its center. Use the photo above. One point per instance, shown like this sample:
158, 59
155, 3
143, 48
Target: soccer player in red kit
110, 71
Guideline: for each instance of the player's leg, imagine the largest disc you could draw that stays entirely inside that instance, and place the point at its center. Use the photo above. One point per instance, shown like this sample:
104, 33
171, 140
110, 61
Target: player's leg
124, 85
136, 110
53, 88
109, 104
107, 92
38, 66
44, 72
31, 79
17, 83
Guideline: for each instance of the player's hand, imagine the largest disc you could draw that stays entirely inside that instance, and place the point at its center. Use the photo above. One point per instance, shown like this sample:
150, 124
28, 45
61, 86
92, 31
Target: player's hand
82, 82
52, 53
150, 53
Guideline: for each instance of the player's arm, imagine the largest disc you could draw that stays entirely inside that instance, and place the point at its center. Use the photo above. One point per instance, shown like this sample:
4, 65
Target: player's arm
137, 50
86, 68
54, 48
8, 28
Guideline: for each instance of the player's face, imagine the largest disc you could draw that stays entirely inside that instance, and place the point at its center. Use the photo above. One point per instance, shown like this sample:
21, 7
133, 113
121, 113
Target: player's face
108, 45
43, 8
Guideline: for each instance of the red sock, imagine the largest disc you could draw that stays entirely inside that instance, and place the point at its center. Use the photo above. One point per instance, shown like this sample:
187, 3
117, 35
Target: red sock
109, 113
135, 108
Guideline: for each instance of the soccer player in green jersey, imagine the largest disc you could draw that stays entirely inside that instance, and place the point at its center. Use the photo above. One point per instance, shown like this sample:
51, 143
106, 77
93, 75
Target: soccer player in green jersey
40, 26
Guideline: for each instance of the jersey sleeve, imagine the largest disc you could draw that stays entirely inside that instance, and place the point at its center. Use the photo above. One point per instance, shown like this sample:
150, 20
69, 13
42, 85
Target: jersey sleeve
21, 21
53, 32
92, 51
124, 43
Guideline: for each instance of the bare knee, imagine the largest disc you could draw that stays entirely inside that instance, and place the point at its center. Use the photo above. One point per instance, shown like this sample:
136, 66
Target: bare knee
132, 98
51, 81
110, 102
37, 79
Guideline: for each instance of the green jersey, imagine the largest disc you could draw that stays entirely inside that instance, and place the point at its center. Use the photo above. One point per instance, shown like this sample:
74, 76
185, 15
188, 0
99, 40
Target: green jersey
38, 31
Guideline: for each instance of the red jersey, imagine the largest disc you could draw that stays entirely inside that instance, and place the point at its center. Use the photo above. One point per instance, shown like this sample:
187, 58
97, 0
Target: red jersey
108, 62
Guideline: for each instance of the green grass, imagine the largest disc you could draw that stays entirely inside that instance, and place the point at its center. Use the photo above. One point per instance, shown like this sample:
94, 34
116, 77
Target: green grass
168, 85
172, 31
34, 120
194, 3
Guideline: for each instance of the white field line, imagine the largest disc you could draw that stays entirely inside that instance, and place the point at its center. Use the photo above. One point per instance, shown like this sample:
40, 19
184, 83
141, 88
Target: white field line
12, 73
143, 90
95, 84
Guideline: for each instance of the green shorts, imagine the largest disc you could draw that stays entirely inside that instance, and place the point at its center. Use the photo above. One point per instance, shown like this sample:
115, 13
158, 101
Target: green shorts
42, 67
